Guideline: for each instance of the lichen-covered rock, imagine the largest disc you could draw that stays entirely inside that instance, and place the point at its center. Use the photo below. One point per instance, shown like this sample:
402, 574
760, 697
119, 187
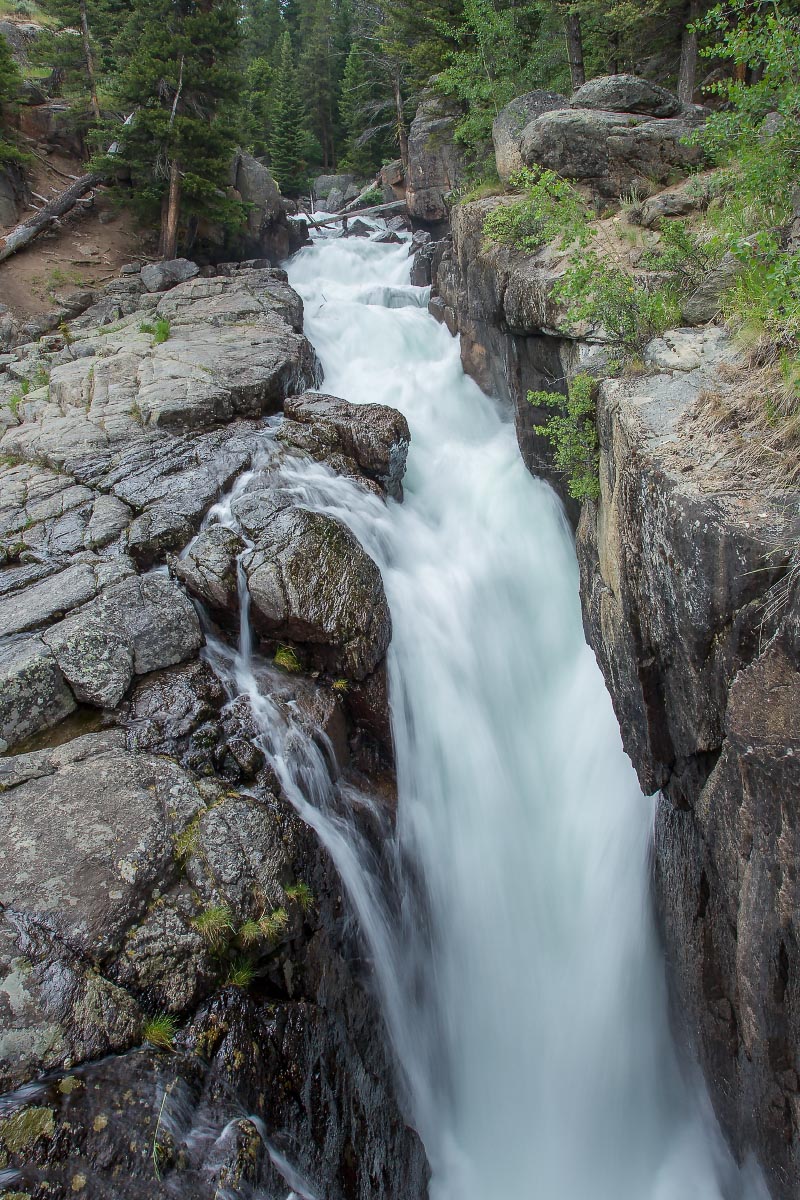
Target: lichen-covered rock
33, 692
509, 123
611, 151
159, 277
208, 568
436, 163
626, 94
311, 582
374, 435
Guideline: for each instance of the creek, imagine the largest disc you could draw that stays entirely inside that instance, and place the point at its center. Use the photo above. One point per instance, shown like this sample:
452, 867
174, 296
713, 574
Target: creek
509, 919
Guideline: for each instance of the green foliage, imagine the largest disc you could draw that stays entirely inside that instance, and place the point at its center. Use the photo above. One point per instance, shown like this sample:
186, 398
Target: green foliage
757, 163
630, 311
500, 51
300, 893
572, 432
682, 254
185, 843
242, 973
373, 196
161, 331
364, 113
10, 81
160, 1031
178, 77
551, 211
275, 924
341, 686
215, 925
286, 659
250, 933
286, 135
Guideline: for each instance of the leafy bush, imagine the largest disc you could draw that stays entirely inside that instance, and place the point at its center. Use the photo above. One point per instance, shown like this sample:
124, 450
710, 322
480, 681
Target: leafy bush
630, 311
572, 432
373, 196
551, 211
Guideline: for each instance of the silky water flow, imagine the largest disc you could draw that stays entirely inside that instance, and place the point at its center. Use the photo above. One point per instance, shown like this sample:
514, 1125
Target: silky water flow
513, 942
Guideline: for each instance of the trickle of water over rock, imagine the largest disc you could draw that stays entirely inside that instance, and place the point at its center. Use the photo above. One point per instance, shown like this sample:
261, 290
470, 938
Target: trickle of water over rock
513, 943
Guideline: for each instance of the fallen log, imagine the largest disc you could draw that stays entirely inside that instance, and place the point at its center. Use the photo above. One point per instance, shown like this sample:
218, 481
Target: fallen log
22, 235
377, 210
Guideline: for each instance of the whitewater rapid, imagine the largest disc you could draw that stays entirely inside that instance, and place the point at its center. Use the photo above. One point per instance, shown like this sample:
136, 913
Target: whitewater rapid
514, 944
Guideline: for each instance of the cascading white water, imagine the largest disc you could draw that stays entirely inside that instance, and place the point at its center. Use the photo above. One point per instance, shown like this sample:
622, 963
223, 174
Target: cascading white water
523, 989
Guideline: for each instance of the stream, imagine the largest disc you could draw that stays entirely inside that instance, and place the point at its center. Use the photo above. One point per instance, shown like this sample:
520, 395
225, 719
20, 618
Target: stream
513, 941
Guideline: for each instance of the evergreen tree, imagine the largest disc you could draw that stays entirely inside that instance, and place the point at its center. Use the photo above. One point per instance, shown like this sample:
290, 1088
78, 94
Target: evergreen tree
366, 110
179, 81
80, 46
262, 30
324, 44
10, 80
288, 120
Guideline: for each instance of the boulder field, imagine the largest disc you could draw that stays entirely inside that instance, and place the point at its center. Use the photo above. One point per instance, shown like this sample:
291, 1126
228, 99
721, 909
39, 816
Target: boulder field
181, 997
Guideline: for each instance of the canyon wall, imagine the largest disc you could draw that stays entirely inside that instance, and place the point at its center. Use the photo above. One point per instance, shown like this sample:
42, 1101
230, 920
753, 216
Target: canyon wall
690, 586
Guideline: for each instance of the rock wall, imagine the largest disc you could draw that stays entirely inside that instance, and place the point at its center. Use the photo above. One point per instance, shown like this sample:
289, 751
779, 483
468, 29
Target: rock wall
690, 585
184, 1008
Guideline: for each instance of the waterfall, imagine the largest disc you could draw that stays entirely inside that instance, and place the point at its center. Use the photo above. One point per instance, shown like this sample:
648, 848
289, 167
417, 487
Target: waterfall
514, 945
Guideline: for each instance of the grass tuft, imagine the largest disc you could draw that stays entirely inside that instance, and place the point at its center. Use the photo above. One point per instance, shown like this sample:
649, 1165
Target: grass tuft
160, 1031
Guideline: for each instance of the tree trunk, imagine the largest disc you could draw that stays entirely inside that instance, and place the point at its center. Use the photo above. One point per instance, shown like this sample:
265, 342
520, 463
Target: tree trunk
22, 235
572, 29
688, 68
402, 133
169, 237
87, 54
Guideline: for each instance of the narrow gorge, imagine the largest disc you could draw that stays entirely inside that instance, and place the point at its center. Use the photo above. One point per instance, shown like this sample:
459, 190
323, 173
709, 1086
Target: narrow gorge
399, 607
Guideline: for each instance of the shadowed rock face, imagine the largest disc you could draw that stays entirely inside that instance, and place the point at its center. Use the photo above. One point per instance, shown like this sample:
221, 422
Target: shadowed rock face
687, 608
436, 163
145, 836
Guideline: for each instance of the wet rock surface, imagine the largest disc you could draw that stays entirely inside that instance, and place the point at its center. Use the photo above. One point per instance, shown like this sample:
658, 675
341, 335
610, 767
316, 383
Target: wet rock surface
158, 888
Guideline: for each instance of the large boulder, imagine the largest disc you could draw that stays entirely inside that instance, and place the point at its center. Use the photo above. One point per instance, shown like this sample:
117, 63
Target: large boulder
161, 276
509, 123
208, 568
312, 583
436, 163
626, 94
269, 231
611, 152
374, 435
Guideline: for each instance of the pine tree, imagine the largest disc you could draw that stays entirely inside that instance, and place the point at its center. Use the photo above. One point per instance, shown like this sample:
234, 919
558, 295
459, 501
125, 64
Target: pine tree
288, 121
179, 80
366, 111
10, 80
262, 29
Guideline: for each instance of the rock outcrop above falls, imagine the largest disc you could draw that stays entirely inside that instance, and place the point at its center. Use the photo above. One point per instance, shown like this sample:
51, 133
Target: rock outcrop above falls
175, 948
436, 162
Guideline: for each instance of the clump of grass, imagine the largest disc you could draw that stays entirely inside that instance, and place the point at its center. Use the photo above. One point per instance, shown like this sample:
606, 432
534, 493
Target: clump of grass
160, 1031
250, 933
286, 659
341, 685
275, 924
214, 924
301, 895
185, 843
146, 327
161, 331
241, 974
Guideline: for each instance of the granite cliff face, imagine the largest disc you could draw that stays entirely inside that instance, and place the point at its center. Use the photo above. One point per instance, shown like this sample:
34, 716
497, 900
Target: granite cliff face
691, 600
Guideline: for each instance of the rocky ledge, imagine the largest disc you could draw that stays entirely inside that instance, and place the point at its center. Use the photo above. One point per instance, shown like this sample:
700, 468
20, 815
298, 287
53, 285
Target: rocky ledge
182, 999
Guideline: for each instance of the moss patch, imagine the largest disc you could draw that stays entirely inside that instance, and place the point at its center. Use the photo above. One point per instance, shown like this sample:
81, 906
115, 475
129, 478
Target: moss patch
26, 1127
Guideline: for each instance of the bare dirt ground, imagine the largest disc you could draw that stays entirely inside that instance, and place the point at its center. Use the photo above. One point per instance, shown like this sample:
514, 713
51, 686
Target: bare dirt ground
85, 249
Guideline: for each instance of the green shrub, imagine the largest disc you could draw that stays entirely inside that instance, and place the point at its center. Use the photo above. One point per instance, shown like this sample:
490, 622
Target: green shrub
572, 432
373, 196
551, 211
630, 311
